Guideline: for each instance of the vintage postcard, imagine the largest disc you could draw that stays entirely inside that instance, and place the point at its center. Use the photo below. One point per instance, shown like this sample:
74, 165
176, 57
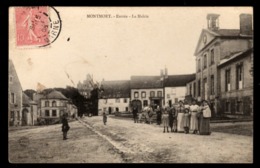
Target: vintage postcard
130, 84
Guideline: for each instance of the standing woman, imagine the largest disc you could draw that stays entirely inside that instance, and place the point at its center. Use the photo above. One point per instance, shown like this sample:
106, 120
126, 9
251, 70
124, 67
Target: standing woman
159, 115
165, 119
186, 120
180, 116
194, 109
204, 126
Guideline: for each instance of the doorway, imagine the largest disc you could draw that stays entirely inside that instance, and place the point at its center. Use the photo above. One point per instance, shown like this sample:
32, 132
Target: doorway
109, 110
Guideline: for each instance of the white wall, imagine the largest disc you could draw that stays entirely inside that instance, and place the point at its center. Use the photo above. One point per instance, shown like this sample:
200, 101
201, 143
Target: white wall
104, 104
175, 92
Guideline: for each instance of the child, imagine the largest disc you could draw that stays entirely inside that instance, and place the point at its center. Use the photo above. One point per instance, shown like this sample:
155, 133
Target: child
104, 118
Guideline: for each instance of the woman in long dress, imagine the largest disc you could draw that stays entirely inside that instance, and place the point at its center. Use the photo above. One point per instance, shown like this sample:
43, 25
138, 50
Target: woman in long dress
180, 116
194, 109
204, 120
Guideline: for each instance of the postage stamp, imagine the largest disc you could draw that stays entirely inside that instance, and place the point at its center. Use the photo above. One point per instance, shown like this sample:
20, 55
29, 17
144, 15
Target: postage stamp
36, 26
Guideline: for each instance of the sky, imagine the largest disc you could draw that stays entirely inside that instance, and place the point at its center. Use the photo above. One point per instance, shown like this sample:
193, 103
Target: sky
117, 48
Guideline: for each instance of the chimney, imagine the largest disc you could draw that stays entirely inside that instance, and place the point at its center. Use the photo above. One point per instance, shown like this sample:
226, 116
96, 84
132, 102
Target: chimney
166, 72
246, 27
161, 74
212, 21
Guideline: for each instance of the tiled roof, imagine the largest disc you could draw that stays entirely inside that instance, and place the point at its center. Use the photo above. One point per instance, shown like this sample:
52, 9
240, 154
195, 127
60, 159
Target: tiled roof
179, 80
145, 82
233, 56
116, 89
55, 95
229, 32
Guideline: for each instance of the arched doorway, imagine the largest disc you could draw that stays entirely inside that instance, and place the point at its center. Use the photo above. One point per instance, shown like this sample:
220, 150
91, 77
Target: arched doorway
137, 103
25, 116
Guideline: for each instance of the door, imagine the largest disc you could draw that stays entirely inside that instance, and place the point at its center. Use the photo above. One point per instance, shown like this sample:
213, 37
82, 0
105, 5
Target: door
109, 110
24, 117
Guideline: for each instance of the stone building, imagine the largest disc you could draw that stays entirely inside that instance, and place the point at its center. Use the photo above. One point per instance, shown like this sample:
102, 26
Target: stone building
29, 112
236, 84
115, 97
15, 96
214, 45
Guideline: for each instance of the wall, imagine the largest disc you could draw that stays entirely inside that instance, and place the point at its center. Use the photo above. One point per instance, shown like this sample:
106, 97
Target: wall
104, 104
147, 91
245, 95
172, 93
16, 88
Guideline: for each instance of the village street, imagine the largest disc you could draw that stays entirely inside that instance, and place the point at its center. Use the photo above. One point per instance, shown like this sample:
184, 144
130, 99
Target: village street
122, 141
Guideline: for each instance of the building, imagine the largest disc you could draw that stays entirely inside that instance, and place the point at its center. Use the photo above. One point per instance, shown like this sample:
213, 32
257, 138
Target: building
85, 87
214, 45
236, 84
146, 90
52, 106
15, 96
115, 97
175, 87
29, 112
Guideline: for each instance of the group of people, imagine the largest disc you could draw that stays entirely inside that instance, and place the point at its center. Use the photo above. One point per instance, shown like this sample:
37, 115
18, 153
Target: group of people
180, 118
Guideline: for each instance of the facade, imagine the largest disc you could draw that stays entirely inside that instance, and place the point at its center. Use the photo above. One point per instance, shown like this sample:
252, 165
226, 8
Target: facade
146, 90
53, 106
236, 91
214, 45
15, 96
115, 97
29, 112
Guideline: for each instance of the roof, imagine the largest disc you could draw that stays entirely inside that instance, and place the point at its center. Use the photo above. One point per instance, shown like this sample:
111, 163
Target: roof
233, 56
179, 80
228, 33
55, 95
27, 100
145, 82
116, 89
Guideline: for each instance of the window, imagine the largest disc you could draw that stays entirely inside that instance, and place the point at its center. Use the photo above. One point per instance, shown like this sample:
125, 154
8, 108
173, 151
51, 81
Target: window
47, 113
227, 79
199, 87
227, 107
18, 115
12, 114
205, 61
46, 103
199, 65
117, 109
168, 96
212, 92
54, 104
145, 103
239, 76
13, 98
143, 94
212, 59
159, 93
54, 113
152, 94
205, 88
125, 100
194, 89
105, 101
136, 94
117, 100
239, 107
126, 109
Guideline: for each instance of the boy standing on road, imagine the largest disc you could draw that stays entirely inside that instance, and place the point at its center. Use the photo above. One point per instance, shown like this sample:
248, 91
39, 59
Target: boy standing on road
104, 118
65, 126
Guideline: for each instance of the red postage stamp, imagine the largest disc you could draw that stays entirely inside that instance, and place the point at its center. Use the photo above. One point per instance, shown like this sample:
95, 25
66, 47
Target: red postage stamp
31, 26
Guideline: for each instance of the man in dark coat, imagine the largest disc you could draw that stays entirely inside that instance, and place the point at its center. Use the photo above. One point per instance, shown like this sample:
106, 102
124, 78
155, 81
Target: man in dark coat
135, 111
159, 115
65, 126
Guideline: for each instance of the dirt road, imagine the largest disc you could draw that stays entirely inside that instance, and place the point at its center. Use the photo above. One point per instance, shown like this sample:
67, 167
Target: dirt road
124, 141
